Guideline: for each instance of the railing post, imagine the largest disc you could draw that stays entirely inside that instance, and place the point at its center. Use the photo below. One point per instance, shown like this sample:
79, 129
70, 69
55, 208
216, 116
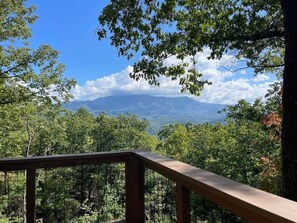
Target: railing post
134, 190
30, 195
183, 204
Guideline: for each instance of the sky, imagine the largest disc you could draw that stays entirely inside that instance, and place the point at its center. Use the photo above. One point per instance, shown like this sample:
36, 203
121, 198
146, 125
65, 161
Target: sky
70, 28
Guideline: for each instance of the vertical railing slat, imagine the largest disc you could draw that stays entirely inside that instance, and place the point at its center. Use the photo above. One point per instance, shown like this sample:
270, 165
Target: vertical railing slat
183, 204
30, 195
134, 190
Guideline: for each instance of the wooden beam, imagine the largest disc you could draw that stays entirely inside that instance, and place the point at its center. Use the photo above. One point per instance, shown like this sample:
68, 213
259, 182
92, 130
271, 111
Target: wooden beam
134, 190
183, 204
250, 203
30, 195
9, 164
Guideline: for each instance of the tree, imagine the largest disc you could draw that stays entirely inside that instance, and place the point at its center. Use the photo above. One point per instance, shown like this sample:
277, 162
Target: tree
175, 140
262, 33
79, 127
289, 130
243, 110
240, 149
26, 73
121, 133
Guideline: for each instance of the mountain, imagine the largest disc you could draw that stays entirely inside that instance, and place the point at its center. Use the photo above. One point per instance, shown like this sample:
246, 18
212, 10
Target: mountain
159, 111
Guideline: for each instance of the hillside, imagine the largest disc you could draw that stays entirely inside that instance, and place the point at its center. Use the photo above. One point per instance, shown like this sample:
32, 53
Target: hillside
159, 111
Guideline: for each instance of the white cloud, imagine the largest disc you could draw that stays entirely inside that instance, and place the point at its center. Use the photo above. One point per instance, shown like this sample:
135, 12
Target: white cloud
226, 88
229, 92
121, 83
260, 78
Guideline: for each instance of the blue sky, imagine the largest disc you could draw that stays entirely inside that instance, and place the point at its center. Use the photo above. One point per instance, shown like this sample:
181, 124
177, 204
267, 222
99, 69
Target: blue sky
70, 27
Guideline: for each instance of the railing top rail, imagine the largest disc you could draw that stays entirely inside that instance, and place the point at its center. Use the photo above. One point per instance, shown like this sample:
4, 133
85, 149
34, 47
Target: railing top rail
23, 163
253, 204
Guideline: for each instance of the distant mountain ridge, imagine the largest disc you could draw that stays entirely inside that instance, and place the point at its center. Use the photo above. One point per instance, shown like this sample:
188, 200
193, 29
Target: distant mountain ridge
159, 111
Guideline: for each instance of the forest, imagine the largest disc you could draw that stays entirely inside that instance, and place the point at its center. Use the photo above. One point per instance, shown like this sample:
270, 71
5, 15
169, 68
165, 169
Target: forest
246, 147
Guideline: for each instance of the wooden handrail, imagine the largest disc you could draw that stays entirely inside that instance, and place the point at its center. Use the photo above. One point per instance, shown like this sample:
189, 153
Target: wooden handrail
30, 164
38, 162
250, 203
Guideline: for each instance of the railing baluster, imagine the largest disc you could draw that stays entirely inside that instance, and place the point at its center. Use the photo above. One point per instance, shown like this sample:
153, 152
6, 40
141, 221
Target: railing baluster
134, 190
183, 204
30, 195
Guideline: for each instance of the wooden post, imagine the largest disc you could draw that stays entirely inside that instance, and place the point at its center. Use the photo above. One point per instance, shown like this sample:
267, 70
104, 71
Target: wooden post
134, 190
183, 204
30, 195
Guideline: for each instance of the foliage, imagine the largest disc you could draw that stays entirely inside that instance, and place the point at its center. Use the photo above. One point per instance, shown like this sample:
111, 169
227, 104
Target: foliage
69, 194
261, 34
240, 149
27, 74
176, 140
233, 150
251, 30
31, 125
122, 133
160, 198
244, 110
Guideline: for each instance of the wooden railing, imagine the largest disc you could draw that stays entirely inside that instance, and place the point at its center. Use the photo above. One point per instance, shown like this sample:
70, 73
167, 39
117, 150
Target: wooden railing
252, 204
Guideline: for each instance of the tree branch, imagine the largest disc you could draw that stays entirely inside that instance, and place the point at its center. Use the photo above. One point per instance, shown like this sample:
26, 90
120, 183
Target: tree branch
243, 68
11, 69
265, 35
254, 37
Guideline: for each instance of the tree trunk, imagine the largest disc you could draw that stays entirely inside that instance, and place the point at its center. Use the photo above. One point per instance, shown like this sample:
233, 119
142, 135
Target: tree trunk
289, 127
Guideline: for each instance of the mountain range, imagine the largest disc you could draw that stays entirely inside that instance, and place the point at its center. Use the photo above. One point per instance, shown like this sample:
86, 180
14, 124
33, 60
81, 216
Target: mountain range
159, 111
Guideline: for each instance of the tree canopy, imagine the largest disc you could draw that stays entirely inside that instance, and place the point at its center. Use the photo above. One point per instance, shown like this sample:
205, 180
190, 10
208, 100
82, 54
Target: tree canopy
251, 30
26, 73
